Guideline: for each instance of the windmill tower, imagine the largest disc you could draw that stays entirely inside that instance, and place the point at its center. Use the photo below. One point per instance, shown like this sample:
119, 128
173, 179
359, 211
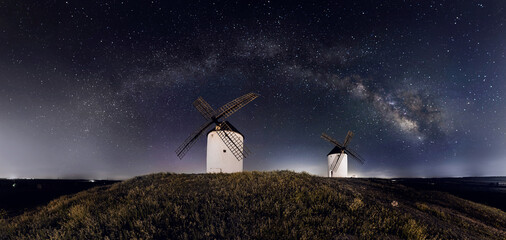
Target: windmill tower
337, 159
219, 157
225, 144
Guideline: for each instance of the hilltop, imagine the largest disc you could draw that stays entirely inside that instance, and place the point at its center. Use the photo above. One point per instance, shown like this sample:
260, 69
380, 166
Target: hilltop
260, 205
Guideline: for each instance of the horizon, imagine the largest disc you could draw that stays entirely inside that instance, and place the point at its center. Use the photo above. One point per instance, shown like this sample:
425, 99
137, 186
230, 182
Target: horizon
197, 173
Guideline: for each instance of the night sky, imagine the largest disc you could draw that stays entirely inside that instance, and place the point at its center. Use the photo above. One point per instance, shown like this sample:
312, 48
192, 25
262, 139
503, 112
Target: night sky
105, 90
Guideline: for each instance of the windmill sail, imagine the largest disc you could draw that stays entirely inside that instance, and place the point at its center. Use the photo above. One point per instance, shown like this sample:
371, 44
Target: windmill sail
204, 108
232, 142
348, 138
337, 161
234, 105
355, 155
190, 140
331, 140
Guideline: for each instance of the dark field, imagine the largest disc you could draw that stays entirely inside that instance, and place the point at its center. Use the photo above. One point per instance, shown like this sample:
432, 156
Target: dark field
490, 191
19, 195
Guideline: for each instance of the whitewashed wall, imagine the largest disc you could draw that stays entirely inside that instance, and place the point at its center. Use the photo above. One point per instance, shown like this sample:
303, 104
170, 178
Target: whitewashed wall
219, 157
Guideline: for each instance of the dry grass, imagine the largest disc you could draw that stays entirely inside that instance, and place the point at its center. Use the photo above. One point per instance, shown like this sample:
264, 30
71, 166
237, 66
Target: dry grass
269, 205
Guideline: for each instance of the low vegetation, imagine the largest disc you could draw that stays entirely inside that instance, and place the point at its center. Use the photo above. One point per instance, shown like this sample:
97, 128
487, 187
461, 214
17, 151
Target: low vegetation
259, 205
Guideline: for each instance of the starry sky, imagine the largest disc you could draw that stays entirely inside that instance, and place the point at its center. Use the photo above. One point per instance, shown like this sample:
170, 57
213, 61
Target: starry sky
105, 89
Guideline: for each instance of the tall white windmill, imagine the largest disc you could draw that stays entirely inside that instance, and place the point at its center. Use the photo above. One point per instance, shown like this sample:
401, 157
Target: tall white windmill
337, 159
221, 158
225, 144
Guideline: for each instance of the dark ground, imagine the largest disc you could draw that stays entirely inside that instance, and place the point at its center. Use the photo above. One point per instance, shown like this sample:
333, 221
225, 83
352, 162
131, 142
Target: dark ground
490, 191
19, 195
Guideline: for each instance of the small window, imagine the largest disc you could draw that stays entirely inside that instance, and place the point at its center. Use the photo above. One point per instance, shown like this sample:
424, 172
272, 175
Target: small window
224, 150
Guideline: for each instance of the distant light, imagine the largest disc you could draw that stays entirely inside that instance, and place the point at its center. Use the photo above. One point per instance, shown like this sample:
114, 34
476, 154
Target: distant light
92, 180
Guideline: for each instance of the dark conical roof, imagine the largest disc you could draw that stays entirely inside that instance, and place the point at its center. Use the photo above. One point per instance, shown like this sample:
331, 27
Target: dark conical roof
231, 127
336, 149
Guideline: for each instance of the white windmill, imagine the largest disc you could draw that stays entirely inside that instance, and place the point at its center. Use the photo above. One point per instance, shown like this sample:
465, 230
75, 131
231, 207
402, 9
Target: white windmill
337, 159
225, 144
219, 157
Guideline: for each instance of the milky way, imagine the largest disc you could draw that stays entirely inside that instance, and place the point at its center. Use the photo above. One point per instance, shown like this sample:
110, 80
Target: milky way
105, 90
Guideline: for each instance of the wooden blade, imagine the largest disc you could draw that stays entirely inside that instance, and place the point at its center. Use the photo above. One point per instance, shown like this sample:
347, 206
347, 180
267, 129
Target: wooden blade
190, 140
348, 138
204, 108
355, 155
236, 104
337, 161
232, 141
331, 140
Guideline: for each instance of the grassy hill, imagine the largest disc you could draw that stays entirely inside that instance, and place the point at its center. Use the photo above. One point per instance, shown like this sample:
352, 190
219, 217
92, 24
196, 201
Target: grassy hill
260, 205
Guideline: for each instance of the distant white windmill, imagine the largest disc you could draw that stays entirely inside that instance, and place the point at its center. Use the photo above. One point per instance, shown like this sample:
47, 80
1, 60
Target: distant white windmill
225, 144
337, 159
